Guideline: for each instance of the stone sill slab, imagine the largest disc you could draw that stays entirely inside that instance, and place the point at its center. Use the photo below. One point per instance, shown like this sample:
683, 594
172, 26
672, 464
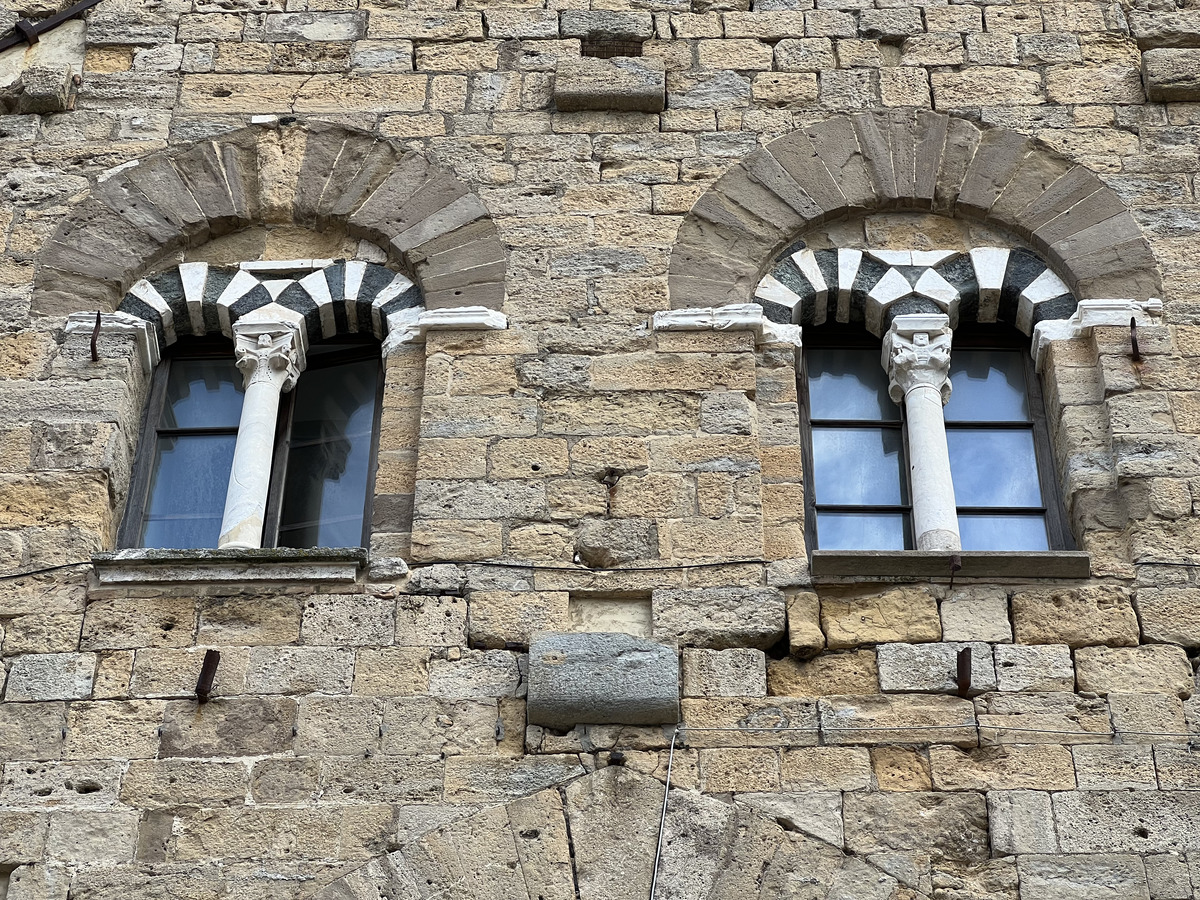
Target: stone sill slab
277, 564
843, 564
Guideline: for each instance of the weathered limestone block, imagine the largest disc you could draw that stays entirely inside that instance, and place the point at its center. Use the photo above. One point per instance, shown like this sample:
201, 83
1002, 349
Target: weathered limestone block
614, 829
607, 543
339, 726
600, 23
825, 769
1123, 821
1042, 718
1150, 668
1171, 75
23, 836
300, 670
619, 84
1170, 615
1078, 617
1148, 718
815, 813
1093, 877
902, 614
93, 836
601, 678
933, 667
476, 675
616, 615
915, 719
391, 672
122, 624
805, 637
161, 672
1123, 767
383, 779
423, 621
976, 614
51, 676
944, 826
1037, 667
473, 779
348, 620
70, 785
900, 769
726, 769
286, 780
41, 89
1021, 822
724, 673
228, 727
750, 722
722, 617
254, 620
852, 672
435, 725
167, 783
1005, 768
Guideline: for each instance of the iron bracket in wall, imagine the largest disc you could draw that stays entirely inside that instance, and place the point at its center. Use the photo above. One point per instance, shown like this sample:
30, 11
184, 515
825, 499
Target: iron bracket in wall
27, 31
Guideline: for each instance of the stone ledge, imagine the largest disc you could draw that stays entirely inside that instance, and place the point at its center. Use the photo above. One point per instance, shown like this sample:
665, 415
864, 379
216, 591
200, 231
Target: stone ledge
838, 565
276, 564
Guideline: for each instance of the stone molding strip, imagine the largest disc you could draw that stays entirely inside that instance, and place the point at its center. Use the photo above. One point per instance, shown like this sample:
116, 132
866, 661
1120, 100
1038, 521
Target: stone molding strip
731, 317
207, 566
1091, 313
907, 160
408, 326
314, 175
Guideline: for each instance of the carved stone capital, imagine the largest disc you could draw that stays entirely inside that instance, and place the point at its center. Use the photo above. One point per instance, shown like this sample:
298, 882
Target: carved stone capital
916, 353
271, 353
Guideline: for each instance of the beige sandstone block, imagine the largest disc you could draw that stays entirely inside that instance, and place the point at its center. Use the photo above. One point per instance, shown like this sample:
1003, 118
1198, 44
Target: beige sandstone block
483, 375
121, 624
1038, 767
498, 618
66, 498
655, 495
825, 769
739, 769
855, 672
114, 729
1148, 669
1052, 717
681, 371
253, 620
391, 671
738, 672
571, 498
167, 783
900, 769
42, 634
897, 719
989, 85
459, 539
805, 637
491, 779
1078, 617
452, 458
527, 458
903, 614
25, 354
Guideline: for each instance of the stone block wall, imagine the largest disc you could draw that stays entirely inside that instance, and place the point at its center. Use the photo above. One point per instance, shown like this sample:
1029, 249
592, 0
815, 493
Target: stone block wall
582, 471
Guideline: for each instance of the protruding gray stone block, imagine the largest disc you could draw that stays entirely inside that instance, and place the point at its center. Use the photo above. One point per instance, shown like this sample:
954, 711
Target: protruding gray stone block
625, 84
601, 679
1171, 74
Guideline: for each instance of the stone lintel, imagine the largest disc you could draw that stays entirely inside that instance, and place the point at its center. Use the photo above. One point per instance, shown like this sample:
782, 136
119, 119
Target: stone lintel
408, 326
223, 566
121, 323
731, 317
625, 84
601, 679
1087, 316
835, 566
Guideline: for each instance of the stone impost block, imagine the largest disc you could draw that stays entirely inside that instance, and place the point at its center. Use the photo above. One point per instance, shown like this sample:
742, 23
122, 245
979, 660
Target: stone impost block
934, 667
51, 676
619, 84
720, 617
601, 679
1151, 668
1171, 75
724, 673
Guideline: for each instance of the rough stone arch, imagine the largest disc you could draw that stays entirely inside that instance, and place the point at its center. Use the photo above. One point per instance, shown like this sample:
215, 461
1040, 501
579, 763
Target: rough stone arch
594, 838
908, 160
312, 175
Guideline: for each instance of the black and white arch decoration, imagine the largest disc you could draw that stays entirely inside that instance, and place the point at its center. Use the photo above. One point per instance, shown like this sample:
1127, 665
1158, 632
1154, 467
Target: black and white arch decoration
986, 284
333, 296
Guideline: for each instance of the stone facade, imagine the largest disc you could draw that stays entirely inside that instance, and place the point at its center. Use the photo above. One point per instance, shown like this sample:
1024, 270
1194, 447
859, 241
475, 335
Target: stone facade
586, 282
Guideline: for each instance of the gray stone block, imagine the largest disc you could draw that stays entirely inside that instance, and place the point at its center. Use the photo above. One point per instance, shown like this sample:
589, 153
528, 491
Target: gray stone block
720, 617
1171, 74
629, 85
601, 679
51, 676
1091, 877
605, 24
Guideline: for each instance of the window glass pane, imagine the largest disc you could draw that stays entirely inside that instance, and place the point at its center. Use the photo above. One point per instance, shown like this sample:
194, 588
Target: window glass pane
202, 393
1027, 532
993, 467
857, 466
989, 386
862, 531
187, 491
848, 383
329, 456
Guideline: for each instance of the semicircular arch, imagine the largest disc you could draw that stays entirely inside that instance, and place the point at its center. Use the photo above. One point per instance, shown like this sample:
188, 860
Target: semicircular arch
908, 160
317, 176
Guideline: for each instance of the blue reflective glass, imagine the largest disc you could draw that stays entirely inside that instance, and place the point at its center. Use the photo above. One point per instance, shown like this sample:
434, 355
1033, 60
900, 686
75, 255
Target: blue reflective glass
993, 467
329, 456
989, 386
187, 491
861, 531
857, 466
848, 383
991, 532
202, 393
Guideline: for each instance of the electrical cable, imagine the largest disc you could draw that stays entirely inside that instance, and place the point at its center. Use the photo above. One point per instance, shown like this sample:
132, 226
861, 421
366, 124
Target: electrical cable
906, 728
662, 822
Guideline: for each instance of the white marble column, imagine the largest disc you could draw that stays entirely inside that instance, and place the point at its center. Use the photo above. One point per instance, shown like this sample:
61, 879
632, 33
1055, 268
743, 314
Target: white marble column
270, 356
916, 355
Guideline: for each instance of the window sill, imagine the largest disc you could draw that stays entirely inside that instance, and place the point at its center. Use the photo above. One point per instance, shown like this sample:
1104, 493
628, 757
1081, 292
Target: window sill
840, 565
322, 564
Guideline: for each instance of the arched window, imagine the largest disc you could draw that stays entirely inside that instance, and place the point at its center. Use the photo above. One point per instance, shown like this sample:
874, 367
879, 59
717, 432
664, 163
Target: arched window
321, 463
